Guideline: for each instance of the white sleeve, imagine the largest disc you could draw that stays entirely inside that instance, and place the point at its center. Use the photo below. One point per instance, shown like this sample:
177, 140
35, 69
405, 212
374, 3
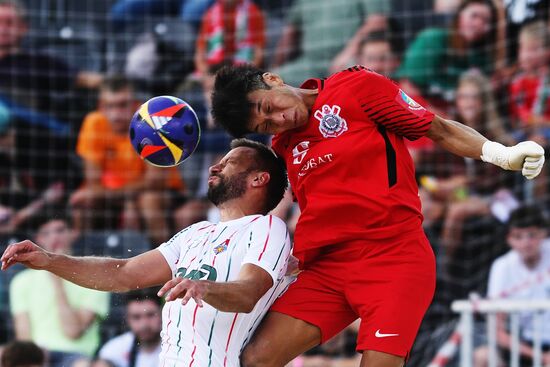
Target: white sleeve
171, 249
497, 279
270, 246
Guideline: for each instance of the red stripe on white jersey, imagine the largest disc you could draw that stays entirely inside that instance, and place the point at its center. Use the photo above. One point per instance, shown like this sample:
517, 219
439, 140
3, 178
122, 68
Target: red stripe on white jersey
267, 238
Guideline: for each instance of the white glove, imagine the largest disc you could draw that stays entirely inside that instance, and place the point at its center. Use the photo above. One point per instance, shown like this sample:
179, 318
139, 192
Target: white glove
526, 156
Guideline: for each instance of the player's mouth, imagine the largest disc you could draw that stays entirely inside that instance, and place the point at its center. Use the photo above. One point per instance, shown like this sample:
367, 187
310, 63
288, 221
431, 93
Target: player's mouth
211, 179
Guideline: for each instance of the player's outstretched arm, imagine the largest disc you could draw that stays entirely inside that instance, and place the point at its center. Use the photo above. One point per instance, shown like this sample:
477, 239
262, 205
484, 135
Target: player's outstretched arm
527, 156
100, 273
240, 295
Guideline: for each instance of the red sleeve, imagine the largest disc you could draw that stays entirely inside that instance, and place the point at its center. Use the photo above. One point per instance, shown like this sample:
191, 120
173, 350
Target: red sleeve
384, 103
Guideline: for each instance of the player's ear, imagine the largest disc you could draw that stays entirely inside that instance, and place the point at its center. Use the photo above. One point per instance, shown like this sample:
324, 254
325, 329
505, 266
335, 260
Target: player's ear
260, 179
272, 79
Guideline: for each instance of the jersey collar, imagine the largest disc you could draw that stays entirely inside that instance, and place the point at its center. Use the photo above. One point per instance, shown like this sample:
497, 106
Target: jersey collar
313, 83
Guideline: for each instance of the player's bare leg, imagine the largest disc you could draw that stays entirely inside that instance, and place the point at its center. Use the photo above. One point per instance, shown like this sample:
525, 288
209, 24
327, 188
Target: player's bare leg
279, 339
373, 358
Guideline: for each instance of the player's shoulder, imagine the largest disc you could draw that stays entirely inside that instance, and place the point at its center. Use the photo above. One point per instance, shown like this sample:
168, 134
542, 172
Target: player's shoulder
190, 230
356, 76
270, 223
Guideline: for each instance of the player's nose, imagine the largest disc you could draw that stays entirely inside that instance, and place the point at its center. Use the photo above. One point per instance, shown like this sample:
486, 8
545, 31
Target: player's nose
214, 168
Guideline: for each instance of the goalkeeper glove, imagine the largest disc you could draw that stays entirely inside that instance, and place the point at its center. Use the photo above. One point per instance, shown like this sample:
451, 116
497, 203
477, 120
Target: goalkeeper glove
526, 156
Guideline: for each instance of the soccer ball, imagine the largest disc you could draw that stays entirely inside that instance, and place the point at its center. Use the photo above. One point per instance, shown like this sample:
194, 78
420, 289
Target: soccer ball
165, 131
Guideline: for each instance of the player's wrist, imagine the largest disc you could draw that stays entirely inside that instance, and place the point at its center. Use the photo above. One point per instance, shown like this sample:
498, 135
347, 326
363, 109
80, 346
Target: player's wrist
496, 153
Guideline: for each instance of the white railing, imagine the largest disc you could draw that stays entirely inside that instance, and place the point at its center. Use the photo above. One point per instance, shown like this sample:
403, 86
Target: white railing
467, 308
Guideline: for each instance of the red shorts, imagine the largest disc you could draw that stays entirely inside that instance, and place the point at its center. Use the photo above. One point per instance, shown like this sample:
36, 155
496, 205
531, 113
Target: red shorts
388, 284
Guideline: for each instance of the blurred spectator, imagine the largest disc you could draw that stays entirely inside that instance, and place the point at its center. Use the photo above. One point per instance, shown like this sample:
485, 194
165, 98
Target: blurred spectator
317, 30
517, 14
36, 89
125, 11
34, 80
19, 198
377, 53
521, 274
231, 31
434, 62
22, 354
57, 315
345, 58
139, 347
473, 194
529, 92
457, 189
117, 180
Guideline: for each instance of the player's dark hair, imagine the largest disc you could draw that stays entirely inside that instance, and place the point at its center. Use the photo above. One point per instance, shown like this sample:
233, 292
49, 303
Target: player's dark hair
230, 105
115, 83
22, 353
268, 161
527, 216
146, 294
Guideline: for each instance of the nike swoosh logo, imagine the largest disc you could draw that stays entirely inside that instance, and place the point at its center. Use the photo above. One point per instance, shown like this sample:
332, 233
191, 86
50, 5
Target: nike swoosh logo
378, 334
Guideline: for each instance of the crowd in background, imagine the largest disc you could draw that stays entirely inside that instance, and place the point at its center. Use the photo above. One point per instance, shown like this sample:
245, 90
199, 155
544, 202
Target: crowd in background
72, 74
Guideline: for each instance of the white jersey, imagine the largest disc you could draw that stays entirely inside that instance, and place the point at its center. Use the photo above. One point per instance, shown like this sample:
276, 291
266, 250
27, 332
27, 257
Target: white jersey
510, 278
202, 337
117, 350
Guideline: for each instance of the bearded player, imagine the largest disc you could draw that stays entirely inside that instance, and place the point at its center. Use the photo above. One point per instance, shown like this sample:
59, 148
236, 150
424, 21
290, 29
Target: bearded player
359, 238
220, 278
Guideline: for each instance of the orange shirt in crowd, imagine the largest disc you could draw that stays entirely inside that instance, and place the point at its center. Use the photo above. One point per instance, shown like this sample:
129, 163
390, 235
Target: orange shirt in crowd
120, 164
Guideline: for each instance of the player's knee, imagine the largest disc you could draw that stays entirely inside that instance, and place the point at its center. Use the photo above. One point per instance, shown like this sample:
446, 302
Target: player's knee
254, 355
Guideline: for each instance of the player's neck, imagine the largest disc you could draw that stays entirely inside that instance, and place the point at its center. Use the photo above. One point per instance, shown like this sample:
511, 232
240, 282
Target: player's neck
308, 96
232, 210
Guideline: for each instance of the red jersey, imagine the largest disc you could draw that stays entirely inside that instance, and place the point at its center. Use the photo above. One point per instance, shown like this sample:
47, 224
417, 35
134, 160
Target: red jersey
348, 166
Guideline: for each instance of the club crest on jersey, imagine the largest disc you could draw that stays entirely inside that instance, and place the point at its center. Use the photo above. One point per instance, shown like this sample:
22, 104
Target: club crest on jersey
331, 125
220, 248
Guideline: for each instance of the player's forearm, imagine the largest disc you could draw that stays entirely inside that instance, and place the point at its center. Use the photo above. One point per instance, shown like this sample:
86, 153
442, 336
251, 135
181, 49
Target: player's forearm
100, 273
232, 296
457, 138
